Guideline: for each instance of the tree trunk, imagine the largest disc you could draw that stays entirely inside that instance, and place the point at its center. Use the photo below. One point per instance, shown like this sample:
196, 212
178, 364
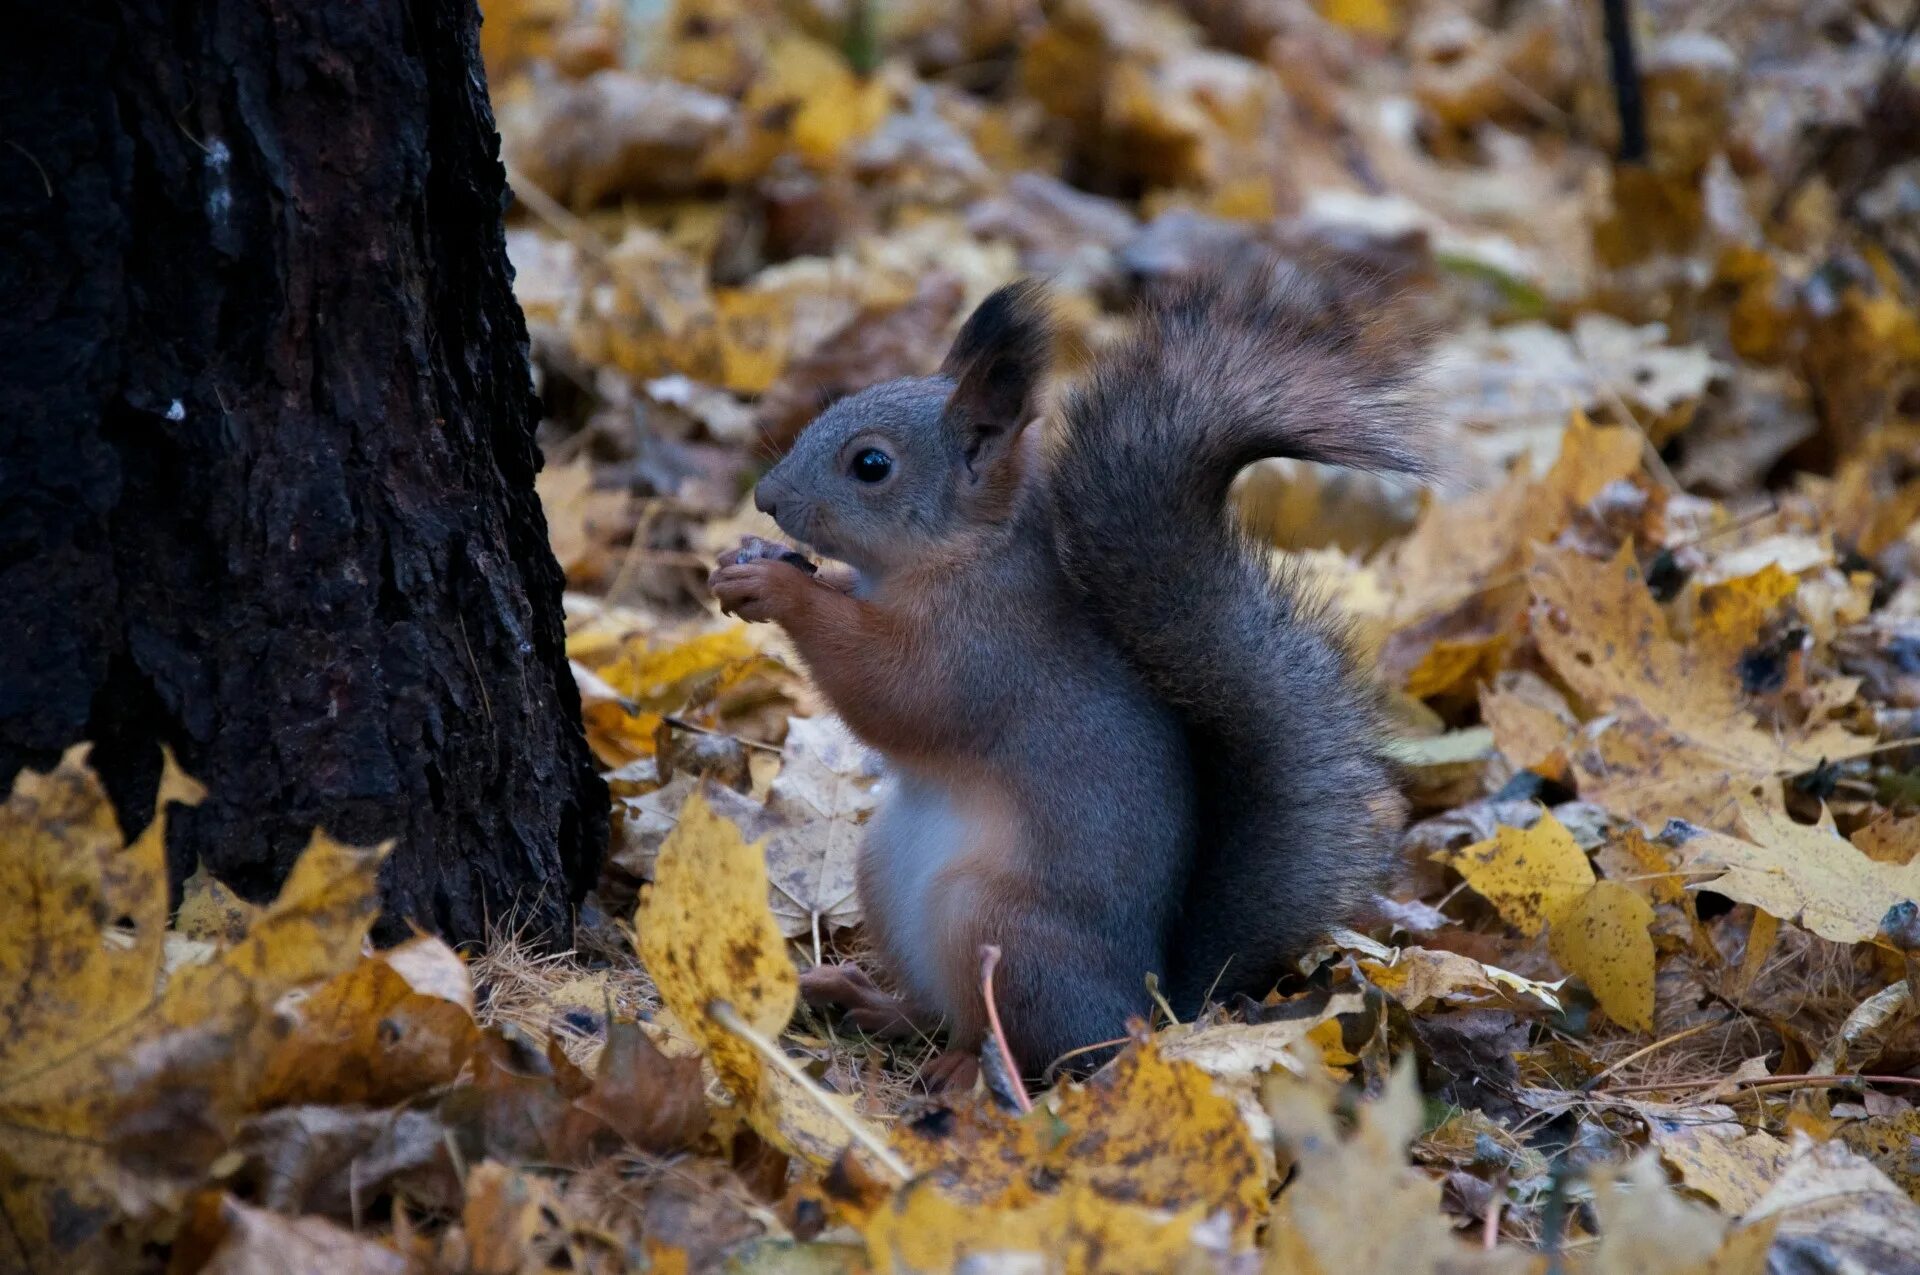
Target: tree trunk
266, 449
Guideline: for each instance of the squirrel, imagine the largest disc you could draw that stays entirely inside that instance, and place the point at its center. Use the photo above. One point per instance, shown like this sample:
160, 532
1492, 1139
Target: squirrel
1119, 742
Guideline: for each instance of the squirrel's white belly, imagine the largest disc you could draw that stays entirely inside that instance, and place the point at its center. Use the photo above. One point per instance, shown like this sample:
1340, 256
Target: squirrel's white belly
917, 831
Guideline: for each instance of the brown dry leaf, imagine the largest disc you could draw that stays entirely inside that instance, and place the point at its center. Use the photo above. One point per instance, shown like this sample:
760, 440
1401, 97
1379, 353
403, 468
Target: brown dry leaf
330, 1160
1479, 546
812, 825
1420, 978
1539, 878
613, 133
226, 1237
505, 1222
1807, 874
582, 519
656, 1103
1677, 740
1530, 720
1891, 839
392, 1027
521, 1106
878, 344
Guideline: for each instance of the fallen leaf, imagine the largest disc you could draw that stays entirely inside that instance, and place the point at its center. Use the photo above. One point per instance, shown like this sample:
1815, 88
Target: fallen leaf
656, 1103
394, 1026
1714, 1154
706, 936
1354, 1203
1807, 874
1077, 1231
231, 1238
1834, 1211
1676, 738
1539, 878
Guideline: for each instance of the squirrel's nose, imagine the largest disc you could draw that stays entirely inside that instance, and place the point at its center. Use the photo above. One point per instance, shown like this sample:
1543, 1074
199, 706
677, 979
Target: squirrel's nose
764, 499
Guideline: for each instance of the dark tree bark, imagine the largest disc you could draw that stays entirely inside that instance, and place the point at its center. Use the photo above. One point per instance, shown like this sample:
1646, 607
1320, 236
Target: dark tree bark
266, 449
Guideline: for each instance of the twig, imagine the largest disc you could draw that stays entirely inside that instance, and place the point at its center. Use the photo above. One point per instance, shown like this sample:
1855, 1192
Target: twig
681, 723
1053, 1068
1490, 1237
1625, 67
723, 1013
1801, 1081
990, 957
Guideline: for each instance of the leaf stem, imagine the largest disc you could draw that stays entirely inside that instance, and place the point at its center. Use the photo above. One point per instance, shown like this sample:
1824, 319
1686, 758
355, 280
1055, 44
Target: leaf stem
723, 1013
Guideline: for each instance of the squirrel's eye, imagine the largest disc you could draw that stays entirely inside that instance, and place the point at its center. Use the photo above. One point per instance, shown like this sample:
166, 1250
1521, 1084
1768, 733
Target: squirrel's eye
872, 465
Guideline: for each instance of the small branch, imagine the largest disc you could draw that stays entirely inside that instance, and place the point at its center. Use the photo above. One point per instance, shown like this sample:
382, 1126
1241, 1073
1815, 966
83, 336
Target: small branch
1625, 67
1802, 1081
990, 957
1053, 1068
728, 1017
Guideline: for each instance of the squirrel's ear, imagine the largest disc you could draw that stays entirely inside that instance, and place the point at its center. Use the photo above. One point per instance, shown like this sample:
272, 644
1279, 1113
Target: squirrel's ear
997, 364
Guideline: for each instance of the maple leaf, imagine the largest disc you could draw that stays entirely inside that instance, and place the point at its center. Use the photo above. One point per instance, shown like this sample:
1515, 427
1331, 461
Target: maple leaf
119, 1081
1673, 737
1809, 875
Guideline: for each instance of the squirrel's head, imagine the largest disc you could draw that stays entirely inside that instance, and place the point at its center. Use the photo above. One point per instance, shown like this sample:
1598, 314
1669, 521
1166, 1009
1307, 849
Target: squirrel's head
886, 476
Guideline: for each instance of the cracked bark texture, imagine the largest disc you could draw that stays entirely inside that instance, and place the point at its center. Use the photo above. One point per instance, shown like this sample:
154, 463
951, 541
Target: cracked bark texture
266, 450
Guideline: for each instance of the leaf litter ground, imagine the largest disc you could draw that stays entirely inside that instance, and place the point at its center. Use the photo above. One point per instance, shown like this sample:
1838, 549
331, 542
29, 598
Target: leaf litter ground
1638, 1000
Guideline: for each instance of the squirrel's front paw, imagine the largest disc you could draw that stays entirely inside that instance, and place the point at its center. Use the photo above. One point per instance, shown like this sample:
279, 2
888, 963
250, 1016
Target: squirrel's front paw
765, 589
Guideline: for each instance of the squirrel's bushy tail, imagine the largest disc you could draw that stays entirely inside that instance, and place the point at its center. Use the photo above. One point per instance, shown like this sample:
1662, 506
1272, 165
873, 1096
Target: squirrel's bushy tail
1298, 805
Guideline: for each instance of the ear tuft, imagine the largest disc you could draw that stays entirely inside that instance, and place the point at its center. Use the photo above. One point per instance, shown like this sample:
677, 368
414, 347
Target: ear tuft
997, 364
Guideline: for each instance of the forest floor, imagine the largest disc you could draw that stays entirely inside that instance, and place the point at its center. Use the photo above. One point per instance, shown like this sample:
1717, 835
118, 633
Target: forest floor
1638, 999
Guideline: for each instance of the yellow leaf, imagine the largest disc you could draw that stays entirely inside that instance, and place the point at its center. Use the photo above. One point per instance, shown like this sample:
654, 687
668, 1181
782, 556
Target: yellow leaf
1452, 664
119, 1083
1148, 1129
1367, 17
706, 935
1539, 879
755, 332
1077, 1232
1606, 938
1719, 1159
1531, 875
1732, 612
